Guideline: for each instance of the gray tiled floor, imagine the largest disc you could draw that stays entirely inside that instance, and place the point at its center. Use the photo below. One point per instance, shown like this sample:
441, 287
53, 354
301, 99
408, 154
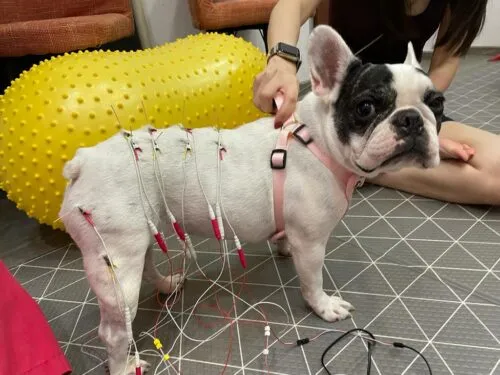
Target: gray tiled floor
417, 270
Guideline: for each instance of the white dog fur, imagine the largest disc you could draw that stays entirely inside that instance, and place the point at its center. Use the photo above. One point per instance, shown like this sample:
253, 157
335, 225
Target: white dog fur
103, 182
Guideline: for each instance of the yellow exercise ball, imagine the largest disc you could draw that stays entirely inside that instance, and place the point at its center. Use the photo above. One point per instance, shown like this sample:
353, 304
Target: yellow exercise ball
80, 99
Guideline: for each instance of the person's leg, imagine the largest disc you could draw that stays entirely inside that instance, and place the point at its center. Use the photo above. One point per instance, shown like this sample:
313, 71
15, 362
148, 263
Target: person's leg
475, 182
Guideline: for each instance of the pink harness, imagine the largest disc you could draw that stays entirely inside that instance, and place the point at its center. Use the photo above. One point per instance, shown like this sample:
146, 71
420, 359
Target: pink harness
349, 181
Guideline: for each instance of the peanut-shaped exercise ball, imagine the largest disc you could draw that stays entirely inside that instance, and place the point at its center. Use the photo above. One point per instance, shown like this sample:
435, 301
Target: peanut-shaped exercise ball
79, 99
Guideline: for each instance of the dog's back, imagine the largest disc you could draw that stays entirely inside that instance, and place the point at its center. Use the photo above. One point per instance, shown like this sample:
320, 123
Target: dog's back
106, 180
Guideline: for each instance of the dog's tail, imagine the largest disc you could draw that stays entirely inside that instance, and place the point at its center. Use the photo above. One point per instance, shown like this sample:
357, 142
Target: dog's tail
72, 168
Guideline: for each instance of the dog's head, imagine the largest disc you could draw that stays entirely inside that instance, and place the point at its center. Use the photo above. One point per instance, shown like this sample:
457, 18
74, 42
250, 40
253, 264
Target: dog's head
380, 117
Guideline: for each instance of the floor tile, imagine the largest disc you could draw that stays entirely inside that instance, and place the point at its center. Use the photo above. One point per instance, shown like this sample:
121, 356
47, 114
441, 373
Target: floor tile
417, 271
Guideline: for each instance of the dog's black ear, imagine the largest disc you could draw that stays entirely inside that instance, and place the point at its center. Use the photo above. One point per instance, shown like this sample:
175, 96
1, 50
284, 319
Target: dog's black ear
329, 57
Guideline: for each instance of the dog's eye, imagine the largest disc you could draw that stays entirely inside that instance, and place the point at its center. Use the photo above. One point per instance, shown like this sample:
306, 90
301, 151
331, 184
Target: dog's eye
435, 102
365, 109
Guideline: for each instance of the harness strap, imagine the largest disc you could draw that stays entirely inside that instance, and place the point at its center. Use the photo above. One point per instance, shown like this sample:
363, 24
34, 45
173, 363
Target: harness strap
278, 164
346, 178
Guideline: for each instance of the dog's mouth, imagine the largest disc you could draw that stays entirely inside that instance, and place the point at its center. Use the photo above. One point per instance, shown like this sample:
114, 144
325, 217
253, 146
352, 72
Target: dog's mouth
390, 160
400, 152
364, 169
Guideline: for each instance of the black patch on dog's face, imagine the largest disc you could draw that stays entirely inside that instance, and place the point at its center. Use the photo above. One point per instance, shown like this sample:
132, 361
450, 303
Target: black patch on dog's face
435, 101
366, 97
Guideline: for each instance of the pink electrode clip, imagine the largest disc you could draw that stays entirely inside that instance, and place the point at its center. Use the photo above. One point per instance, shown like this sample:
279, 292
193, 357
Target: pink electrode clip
137, 149
221, 153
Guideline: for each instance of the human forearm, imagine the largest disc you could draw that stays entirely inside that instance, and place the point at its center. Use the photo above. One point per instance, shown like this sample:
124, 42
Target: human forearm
284, 23
444, 63
286, 19
280, 74
443, 70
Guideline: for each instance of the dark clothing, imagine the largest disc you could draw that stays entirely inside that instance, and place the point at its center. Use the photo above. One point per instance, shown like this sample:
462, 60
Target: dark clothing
360, 22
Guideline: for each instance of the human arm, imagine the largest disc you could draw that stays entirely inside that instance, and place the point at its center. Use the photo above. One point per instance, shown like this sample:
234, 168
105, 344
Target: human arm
280, 75
444, 64
286, 19
443, 67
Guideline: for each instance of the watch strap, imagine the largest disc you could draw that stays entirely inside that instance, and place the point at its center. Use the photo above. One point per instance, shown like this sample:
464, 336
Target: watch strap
287, 52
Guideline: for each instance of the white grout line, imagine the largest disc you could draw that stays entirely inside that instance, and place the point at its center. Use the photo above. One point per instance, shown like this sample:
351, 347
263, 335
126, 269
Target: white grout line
53, 275
467, 89
78, 319
494, 368
398, 296
289, 307
454, 312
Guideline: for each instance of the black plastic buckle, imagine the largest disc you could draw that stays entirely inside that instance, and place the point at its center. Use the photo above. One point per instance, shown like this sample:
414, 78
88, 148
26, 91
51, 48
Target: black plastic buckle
278, 151
302, 140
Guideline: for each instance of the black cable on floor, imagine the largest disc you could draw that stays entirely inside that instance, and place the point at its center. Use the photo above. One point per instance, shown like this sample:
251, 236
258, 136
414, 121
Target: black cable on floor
370, 342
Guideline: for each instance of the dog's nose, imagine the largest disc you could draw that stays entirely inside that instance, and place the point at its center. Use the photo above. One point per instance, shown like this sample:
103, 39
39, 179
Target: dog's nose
408, 122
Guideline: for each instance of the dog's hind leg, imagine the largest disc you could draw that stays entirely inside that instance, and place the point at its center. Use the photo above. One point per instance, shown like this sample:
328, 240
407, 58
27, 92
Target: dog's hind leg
118, 294
165, 284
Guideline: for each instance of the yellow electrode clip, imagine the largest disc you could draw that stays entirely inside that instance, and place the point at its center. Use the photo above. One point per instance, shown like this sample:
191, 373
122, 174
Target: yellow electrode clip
157, 343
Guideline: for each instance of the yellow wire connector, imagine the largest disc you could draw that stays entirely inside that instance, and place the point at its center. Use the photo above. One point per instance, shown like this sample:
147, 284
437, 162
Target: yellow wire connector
157, 343
166, 357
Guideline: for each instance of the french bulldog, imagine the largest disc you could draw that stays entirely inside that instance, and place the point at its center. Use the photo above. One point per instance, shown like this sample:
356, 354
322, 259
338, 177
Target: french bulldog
369, 118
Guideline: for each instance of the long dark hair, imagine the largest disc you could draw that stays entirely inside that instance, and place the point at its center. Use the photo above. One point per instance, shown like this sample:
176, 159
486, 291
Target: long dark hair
466, 22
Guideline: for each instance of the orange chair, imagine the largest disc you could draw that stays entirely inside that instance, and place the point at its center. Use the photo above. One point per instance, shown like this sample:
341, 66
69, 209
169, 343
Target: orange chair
37, 27
32, 30
230, 16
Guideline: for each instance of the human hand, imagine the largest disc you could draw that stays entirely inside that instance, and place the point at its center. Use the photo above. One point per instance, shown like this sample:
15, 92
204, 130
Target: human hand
278, 78
449, 149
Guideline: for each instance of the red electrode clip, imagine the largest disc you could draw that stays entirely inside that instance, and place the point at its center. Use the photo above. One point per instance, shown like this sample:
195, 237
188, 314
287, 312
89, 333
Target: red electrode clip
161, 242
179, 231
241, 252
87, 216
215, 224
495, 58
158, 237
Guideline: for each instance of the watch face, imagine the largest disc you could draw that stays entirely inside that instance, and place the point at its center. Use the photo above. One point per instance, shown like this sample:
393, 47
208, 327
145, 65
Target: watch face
289, 50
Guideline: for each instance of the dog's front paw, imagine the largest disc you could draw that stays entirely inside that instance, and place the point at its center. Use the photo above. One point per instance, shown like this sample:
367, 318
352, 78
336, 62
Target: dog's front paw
331, 308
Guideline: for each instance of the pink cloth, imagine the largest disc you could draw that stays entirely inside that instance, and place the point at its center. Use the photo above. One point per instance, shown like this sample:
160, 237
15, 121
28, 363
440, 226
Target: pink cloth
27, 344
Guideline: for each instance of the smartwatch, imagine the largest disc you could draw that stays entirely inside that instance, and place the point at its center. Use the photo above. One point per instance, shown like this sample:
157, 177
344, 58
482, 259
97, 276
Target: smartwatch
287, 52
